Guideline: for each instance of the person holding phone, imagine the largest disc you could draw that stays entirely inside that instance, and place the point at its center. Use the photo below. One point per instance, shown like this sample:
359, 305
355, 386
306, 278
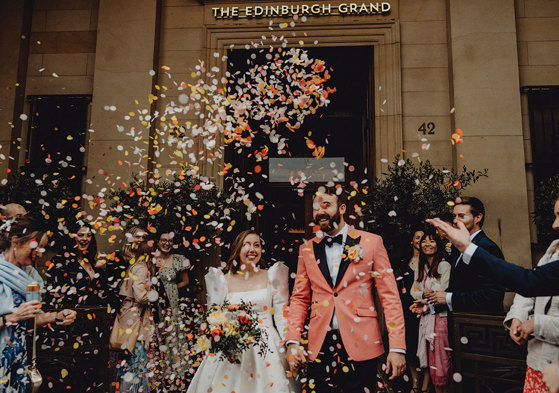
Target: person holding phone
22, 242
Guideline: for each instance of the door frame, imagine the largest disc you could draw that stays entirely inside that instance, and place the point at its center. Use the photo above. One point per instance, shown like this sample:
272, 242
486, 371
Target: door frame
383, 34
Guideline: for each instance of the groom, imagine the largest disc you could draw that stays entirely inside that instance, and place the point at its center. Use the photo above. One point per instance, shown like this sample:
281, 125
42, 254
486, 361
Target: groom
337, 274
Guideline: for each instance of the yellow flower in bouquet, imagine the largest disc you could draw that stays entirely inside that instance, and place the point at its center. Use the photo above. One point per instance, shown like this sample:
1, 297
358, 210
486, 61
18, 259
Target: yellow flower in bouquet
217, 318
202, 344
230, 328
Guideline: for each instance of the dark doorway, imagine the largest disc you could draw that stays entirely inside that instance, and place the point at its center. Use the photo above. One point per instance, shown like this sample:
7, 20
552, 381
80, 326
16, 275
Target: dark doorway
57, 137
544, 125
543, 102
344, 127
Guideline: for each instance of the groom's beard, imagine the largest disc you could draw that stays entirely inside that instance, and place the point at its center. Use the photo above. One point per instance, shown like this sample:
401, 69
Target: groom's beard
332, 223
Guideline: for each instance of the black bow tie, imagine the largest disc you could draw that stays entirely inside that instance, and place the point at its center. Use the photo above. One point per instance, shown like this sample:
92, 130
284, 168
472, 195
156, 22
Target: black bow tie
329, 240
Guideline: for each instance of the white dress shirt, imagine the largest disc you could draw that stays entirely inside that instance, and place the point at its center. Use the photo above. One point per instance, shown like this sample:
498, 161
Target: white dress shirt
469, 253
334, 259
449, 294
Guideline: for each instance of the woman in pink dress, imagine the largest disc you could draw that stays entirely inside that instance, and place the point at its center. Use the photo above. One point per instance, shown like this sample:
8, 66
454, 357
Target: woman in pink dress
433, 346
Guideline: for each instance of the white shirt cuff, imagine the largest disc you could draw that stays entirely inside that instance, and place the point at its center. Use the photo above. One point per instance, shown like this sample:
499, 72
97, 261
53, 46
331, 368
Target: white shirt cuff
449, 300
291, 342
468, 253
398, 350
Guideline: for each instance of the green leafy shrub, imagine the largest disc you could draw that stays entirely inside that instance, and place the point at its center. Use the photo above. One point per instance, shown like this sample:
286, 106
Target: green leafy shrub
45, 196
186, 205
406, 196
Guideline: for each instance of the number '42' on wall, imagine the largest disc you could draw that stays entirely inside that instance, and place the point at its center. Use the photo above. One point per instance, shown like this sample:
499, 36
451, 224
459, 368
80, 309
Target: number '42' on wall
427, 128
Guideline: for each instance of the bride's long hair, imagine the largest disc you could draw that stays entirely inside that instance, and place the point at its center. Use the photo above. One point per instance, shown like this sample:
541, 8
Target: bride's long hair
234, 261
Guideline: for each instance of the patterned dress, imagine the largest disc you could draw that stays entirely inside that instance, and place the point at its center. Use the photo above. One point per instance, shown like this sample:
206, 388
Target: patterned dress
13, 361
171, 369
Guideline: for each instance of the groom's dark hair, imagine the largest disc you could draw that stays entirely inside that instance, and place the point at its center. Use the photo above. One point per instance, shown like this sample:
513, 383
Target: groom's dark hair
339, 192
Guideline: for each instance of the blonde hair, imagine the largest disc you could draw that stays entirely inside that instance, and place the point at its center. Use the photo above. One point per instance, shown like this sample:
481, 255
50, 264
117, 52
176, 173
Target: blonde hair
128, 252
142, 254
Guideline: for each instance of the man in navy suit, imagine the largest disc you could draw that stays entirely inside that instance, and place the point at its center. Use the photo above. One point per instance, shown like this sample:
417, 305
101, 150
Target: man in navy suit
541, 281
470, 290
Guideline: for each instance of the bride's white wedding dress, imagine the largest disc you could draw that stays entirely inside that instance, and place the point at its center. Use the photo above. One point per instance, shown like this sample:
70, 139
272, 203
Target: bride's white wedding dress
255, 374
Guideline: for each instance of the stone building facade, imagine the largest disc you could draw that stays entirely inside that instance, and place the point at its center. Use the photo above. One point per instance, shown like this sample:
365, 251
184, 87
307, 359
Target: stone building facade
429, 56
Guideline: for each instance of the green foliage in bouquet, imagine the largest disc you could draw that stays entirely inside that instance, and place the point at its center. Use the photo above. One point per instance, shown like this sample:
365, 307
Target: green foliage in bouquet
186, 205
227, 330
48, 197
406, 196
546, 194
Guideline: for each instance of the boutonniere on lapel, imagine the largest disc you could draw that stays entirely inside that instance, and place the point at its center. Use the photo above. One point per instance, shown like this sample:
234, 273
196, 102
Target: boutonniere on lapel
353, 253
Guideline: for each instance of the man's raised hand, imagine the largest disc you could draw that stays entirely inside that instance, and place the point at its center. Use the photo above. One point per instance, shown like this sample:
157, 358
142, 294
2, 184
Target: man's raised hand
460, 237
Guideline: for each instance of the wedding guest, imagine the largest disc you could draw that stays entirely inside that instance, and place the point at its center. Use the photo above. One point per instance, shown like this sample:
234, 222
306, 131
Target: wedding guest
12, 210
407, 273
75, 278
137, 294
469, 290
116, 267
118, 263
541, 281
22, 244
245, 279
535, 321
433, 273
166, 352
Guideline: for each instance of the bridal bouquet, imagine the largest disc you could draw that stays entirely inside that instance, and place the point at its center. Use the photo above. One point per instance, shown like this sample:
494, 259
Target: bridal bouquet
227, 330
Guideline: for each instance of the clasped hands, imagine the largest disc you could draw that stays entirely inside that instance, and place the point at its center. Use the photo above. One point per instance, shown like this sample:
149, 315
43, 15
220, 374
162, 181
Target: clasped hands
395, 362
429, 297
295, 356
520, 332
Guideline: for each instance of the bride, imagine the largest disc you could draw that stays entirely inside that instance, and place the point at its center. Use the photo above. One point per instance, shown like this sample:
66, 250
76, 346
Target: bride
268, 292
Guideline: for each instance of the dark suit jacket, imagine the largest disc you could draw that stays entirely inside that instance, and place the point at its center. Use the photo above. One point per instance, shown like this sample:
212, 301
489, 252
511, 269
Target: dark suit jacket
473, 290
542, 281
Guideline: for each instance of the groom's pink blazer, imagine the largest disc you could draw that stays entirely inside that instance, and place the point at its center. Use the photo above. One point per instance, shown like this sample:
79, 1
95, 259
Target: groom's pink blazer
351, 297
